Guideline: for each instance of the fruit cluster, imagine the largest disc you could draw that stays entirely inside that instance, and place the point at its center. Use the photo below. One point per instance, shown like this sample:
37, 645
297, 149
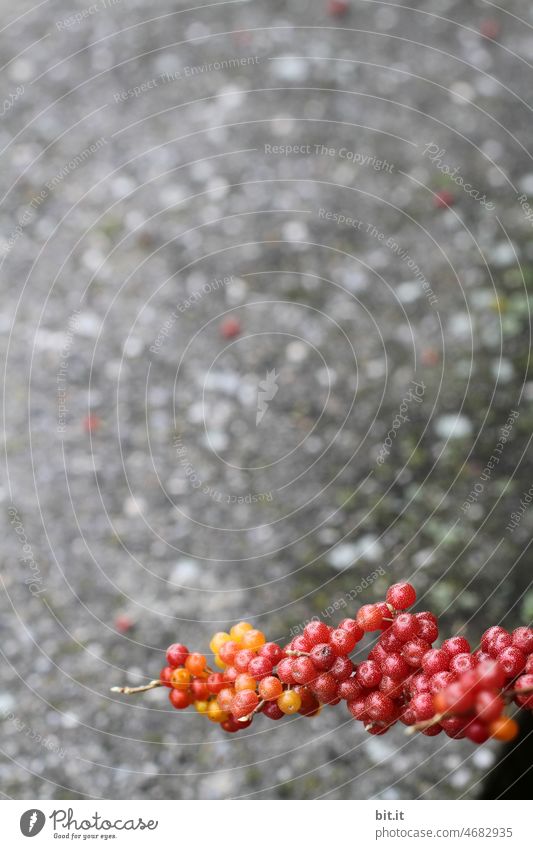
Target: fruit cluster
450, 689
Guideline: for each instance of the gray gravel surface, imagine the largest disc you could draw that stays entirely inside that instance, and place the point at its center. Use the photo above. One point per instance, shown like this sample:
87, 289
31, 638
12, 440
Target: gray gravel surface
167, 167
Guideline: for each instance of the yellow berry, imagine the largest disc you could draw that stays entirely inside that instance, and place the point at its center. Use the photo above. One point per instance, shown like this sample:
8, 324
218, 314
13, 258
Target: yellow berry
215, 712
201, 706
253, 639
218, 638
180, 679
289, 702
219, 662
236, 633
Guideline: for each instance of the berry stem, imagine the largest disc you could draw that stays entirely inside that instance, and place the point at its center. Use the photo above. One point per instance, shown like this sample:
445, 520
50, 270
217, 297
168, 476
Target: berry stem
427, 723
131, 691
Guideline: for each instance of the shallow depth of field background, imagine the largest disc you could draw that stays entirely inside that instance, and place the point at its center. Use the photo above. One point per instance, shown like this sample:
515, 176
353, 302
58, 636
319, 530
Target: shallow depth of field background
147, 196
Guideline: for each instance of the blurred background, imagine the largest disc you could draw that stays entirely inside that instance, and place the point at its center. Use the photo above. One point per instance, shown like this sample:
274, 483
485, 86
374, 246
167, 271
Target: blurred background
265, 273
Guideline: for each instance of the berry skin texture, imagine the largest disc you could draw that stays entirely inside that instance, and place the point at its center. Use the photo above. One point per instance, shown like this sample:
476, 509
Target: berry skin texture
272, 710
215, 683
342, 668
342, 642
303, 670
349, 690
504, 729
423, 706
435, 660
242, 659
370, 617
401, 596
217, 640
461, 663
180, 679
270, 688
489, 635
440, 681
253, 639
499, 643
225, 698
429, 628
284, 670
396, 667
523, 639
244, 681
310, 705
177, 654
315, 633
352, 626
289, 702
477, 731
272, 652
380, 707
179, 699
525, 682
325, 688
406, 626
414, 651
369, 674
322, 656
199, 690
456, 645
512, 661
165, 675
489, 706
357, 708
260, 667
196, 663
244, 703
228, 650
237, 631
301, 643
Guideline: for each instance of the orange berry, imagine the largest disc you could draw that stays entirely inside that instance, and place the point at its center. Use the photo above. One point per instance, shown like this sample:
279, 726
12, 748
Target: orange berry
218, 639
180, 679
270, 688
236, 633
219, 662
289, 702
225, 698
245, 682
504, 729
196, 663
253, 639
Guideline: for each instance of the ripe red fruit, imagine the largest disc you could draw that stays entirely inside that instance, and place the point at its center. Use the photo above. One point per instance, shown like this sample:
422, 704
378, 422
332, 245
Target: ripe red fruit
455, 726
272, 652
433, 730
325, 687
420, 683
523, 639
380, 707
179, 699
216, 682
489, 635
440, 681
309, 702
499, 643
423, 707
389, 642
407, 716
230, 327
525, 682
352, 626
316, 632
243, 703
405, 627
370, 617
242, 659
477, 731
455, 699
393, 689
232, 725
488, 706
369, 674
270, 688
396, 667
342, 641
200, 691
435, 660
414, 651
230, 674
323, 656
456, 645
349, 690
342, 668
303, 670
512, 661
228, 650
259, 667
284, 670
165, 674
357, 708
401, 596
177, 654
271, 710
300, 643
428, 629
461, 663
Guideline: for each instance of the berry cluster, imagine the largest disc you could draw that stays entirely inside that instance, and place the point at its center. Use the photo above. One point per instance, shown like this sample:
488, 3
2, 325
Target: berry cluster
404, 678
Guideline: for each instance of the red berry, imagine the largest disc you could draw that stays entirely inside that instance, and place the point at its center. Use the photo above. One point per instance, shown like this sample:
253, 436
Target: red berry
489, 635
342, 668
352, 626
393, 689
461, 663
272, 652
433, 730
230, 674
199, 690
396, 667
488, 706
270, 688
309, 702
440, 681
435, 660
165, 674
401, 596
284, 670
406, 627
380, 707
455, 699
316, 632
259, 667
454, 727
420, 683
300, 643
480, 656
499, 643
230, 327
408, 716
179, 699
342, 641
370, 617
525, 682
389, 641
303, 670
216, 682
422, 705
477, 731
242, 659
512, 661
529, 664
523, 639
243, 703
228, 650
415, 650
369, 674
323, 656
428, 629
271, 710
349, 690
177, 654
357, 708
456, 645
325, 687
